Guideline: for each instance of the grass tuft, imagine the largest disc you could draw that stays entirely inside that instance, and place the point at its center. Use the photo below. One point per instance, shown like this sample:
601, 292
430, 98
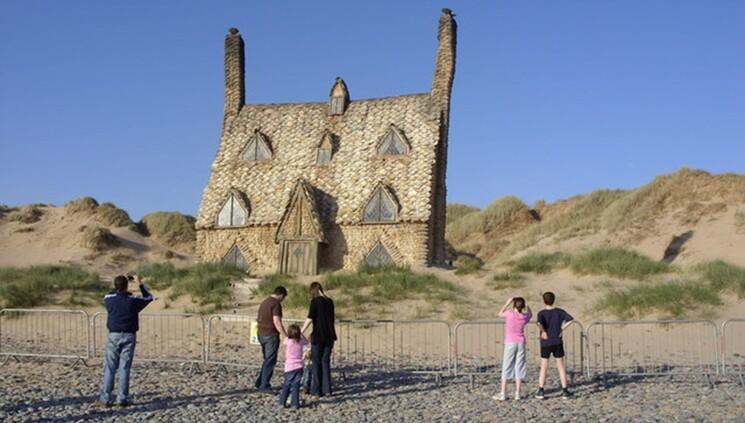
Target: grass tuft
723, 276
617, 262
97, 238
172, 228
298, 295
86, 205
466, 264
208, 284
507, 280
671, 299
541, 262
26, 214
110, 215
39, 285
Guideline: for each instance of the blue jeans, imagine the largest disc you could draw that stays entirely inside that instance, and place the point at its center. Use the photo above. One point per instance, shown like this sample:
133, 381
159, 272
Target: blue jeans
320, 355
269, 349
291, 385
120, 350
307, 378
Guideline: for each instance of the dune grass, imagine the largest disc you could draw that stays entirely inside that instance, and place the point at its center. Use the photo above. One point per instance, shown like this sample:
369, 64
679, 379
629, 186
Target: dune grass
298, 295
723, 276
499, 213
86, 205
455, 211
541, 262
98, 239
208, 284
41, 285
507, 280
617, 262
173, 228
26, 214
465, 265
111, 215
671, 299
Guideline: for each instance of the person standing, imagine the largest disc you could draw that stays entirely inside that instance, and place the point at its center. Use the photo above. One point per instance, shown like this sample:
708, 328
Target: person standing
552, 321
122, 321
270, 326
321, 315
295, 342
516, 316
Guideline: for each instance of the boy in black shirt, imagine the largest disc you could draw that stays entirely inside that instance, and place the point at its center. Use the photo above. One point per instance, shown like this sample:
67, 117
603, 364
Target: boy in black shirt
552, 321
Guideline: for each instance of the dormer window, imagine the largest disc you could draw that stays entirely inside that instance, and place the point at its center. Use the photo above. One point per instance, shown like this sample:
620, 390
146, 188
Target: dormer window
339, 97
234, 211
325, 150
257, 148
393, 143
381, 207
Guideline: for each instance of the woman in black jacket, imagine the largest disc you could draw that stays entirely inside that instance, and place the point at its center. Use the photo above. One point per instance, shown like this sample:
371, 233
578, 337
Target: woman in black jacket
321, 314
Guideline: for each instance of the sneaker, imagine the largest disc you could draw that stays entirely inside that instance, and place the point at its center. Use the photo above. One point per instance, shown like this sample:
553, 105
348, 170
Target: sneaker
539, 394
499, 397
102, 404
565, 393
517, 396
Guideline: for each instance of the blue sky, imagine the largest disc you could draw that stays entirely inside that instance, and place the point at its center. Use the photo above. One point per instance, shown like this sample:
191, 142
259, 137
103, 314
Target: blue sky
123, 100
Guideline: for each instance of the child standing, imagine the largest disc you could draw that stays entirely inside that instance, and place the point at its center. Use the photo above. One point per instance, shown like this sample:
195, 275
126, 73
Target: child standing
294, 344
552, 321
516, 315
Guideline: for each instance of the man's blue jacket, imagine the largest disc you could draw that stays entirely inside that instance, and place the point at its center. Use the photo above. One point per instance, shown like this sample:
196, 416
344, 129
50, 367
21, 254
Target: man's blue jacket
123, 309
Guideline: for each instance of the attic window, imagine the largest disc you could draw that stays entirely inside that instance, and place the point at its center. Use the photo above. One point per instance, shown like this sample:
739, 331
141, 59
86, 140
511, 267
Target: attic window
381, 207
232, 213
325, 150
236, 258
339, 97
393, 143
379, 256
257, 148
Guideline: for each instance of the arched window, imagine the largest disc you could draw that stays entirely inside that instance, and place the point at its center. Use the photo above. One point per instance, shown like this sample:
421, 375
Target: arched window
379, 256
257, 148
393, 143
381, 207
232, 213
236, 258
339, 97
325, 150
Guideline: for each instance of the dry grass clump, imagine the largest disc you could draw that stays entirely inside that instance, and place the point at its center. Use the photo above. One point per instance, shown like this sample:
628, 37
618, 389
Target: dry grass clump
507, 280
465, 265
617, 262
456, 210
81, 205
171, 228
27, 214
98, 239
670, 299
111, 215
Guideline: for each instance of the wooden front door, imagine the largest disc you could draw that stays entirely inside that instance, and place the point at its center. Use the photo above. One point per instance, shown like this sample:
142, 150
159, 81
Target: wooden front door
299, 257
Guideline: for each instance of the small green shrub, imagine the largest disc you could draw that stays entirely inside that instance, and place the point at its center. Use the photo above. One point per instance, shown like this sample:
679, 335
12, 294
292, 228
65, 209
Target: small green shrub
672, 299
110, 215
38, 285
723, 276
173, 228
617, 262
97, 238
298, 295
541, 262
465, 265
208, 284
26, 214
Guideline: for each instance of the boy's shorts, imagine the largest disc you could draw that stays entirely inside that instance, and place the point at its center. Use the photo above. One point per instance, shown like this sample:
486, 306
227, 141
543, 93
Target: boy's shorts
557, 350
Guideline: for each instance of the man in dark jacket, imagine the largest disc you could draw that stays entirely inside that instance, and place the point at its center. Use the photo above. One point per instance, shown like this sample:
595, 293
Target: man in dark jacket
123, 322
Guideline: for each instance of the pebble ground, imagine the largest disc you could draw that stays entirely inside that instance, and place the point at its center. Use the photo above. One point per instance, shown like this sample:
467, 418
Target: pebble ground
51, 392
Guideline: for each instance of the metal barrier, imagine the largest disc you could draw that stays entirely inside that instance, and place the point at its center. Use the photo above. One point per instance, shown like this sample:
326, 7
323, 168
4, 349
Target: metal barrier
478, 347
733, 347
44, 333
165, 337
646, 348
228, 341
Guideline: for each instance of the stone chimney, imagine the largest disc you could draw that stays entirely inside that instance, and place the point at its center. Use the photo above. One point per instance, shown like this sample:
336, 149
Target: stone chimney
442, 83
235, 90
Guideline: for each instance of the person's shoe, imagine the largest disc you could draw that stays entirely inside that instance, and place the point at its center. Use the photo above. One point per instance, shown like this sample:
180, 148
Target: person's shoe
102, 404
517, 396
566, 393
125, 403
539, 394
499, 397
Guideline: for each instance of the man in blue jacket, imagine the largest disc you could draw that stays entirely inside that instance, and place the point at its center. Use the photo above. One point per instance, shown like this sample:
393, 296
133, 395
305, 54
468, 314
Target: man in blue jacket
123, 322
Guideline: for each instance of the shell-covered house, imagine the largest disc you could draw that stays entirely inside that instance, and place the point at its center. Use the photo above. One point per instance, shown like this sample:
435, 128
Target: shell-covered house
300, 187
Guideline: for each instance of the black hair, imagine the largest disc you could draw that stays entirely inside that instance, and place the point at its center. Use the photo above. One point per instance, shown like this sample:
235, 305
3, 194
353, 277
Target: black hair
293, 332
120, 283
549, 298
280, 290
519, 303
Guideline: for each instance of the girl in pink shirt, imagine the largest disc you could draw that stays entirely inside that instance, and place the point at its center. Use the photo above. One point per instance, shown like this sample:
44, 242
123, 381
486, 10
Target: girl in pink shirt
516, 315
294, 364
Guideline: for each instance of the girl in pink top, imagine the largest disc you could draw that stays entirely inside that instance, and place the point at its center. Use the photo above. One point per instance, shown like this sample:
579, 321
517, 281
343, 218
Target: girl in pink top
294, 344
516, 315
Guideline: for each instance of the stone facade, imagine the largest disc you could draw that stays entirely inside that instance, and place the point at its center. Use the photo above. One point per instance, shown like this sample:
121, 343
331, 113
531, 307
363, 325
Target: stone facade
304, 177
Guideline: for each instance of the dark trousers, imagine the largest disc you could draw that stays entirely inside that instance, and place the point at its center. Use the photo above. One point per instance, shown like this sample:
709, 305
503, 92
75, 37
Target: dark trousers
291, 386
321, 358
269, 349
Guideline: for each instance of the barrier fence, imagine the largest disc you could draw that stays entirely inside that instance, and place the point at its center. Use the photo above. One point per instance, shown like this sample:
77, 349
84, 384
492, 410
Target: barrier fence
478, 347
415, 346
664, 347
733, 346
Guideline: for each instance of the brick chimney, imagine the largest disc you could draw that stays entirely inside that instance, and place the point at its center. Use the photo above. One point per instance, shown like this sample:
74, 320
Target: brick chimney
235, 90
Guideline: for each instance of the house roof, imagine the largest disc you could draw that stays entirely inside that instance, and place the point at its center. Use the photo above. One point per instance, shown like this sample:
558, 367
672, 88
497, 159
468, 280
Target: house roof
343, 185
